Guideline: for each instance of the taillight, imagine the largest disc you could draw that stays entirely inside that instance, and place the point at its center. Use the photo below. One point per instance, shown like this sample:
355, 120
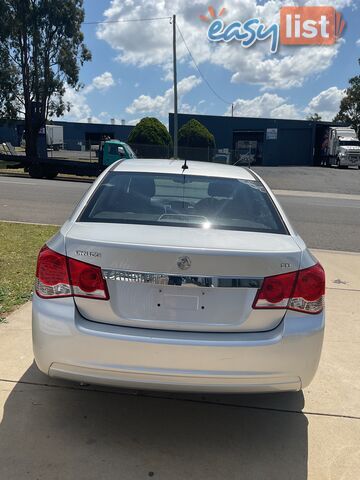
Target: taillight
276, 291
309, 291
52, 276
87, 280
302, 291
59, 276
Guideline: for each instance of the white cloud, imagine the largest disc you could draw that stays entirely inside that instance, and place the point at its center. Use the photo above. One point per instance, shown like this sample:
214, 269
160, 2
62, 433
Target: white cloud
332, 3
268, 105
102, 82
80, 109
288, 71
150, 44
358, 42
134, 121
161, 105
327, 103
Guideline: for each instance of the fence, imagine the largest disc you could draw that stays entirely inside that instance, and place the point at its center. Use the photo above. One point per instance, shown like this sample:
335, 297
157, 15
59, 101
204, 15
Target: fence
90, 153
86, 152
214, 155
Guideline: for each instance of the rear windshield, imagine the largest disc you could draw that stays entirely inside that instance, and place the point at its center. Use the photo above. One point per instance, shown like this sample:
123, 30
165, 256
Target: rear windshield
183, 201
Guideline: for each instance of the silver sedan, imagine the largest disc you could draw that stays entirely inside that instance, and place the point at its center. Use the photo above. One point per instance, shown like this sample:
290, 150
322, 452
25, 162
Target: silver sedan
176, 278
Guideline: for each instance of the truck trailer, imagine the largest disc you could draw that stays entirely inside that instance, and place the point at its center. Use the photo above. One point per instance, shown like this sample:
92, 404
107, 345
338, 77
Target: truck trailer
109, 152
55, 137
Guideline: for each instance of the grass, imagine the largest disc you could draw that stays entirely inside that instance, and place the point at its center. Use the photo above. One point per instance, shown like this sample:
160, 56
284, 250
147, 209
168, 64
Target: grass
19, 246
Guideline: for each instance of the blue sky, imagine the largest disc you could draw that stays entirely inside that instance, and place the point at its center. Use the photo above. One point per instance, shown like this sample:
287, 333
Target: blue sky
130, 73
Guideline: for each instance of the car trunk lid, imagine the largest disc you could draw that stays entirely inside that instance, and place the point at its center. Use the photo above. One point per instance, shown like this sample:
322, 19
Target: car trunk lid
181, 278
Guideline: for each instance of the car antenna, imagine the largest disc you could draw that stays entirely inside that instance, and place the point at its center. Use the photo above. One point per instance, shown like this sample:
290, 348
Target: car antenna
185, 166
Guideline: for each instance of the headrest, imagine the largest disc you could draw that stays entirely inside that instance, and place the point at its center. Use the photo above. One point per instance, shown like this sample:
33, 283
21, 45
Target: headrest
142, 186
219, 188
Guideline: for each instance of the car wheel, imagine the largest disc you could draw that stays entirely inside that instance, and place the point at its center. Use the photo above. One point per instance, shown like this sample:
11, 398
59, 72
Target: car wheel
36, 171
50, 173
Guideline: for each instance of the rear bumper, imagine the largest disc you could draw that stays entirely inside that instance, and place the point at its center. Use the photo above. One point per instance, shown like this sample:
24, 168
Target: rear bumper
68, 346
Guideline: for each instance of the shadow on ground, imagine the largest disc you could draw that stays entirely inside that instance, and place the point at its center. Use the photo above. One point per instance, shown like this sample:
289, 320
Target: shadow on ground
63, 431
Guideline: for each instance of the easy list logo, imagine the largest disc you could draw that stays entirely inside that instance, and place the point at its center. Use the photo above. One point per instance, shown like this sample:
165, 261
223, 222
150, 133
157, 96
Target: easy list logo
298, 26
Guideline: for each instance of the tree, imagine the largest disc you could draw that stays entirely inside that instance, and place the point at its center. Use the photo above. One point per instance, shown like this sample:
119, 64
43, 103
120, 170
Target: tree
150, 131
9, 80
41, 51
315, 117
350, 105
195, 134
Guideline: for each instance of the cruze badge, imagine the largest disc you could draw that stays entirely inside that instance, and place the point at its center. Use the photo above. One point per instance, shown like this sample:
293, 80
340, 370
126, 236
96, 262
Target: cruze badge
183, 263
86, 253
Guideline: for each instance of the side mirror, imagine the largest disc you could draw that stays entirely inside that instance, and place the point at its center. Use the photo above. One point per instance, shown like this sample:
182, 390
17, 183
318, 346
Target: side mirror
121, 151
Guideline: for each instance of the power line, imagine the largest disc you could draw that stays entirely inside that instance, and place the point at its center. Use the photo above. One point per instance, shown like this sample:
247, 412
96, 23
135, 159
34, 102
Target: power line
200, 72
151, 19
104, 22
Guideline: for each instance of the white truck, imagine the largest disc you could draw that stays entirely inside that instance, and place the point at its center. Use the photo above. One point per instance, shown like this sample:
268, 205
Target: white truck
55, 137
341, 148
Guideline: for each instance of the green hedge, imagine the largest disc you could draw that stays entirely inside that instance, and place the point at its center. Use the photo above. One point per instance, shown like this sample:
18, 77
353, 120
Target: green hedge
150, 131
195, 134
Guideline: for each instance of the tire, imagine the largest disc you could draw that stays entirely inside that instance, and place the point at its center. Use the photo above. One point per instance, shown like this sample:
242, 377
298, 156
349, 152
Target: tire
50, 173
343, 167
36, 171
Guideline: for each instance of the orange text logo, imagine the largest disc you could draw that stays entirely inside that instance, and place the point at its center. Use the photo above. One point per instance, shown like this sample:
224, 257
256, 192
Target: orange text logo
310, 25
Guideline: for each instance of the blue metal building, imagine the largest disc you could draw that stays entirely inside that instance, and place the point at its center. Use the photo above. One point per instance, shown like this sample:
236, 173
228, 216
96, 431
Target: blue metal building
77, 136
278, 142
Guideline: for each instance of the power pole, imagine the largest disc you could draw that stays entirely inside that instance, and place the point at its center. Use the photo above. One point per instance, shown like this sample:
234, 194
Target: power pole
232, 109
175, 91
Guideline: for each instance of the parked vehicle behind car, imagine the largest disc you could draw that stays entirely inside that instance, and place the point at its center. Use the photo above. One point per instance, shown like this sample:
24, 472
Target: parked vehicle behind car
341, 148
179, 279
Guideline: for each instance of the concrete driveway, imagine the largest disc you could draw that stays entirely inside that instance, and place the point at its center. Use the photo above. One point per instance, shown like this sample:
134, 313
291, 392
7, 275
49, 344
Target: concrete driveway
58, 430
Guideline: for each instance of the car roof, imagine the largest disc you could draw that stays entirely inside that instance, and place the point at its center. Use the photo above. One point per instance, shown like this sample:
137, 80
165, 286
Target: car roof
149, 165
